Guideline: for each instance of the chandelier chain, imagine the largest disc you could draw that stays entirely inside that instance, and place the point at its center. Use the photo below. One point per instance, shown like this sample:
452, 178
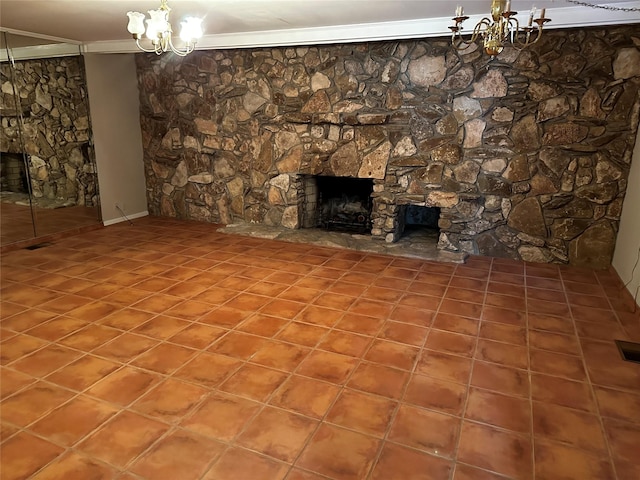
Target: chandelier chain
604, 7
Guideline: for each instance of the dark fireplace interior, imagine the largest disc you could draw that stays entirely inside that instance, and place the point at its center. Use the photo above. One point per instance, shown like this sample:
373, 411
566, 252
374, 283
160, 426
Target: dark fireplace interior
13, 175
338, 203
417, 218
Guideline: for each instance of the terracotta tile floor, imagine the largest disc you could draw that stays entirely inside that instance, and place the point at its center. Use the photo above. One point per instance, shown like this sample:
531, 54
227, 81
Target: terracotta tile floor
166, 350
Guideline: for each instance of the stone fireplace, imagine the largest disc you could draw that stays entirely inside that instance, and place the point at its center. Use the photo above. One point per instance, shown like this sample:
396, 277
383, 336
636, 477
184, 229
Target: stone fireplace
526, 155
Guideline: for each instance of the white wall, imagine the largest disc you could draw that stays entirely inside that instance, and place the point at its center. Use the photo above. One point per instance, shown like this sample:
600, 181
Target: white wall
115, 118
628, 242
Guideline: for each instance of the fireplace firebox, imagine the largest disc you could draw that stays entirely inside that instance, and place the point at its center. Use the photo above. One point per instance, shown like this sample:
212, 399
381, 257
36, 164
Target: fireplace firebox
338, 203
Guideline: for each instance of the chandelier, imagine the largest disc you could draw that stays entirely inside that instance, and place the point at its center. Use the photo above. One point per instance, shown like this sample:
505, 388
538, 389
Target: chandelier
502, 27
159, 31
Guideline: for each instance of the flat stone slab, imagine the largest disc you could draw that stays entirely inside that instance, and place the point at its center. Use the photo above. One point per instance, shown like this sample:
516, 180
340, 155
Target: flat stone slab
413, 245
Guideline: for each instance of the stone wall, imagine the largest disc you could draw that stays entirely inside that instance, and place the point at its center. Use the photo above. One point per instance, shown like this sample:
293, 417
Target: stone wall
52, 102
527, 155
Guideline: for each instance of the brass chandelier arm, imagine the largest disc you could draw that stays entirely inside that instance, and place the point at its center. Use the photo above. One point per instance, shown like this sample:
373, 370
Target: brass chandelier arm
503, 27
460, 43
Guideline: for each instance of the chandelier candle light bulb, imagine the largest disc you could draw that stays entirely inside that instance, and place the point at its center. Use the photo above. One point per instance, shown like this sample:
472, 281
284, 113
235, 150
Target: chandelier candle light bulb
160, 33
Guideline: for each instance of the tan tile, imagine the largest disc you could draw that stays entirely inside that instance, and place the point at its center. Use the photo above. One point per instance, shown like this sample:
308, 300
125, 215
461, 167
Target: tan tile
456, 324
254, 382
263, 325
567, 344
240, 463
197, 336
224, 317
126, 347
510, 381
345, 343
282, 308
25, 320
392, 354
238, 345
454, 343
69, 423
502, 452
360, 324
378, 379
45, 360
339, 453
15, 347
24, 454
57, 328
83, 373
124, 386
567, 366
170, 401
432, 432
280, 355
561, 391
277, 433
444, 366
467, 472
208, 369
90, 337
434, 394
221, 416
618, 404
506, 354
555, 460
74, 465
33, 402
400, 463
302, 334
181, 455
122, 438
623, 439
511, 413
403, 333
165, 358
305, 395
12, 381
126, 319
327, 366
161, 327
573, 427
365, 413
412, 315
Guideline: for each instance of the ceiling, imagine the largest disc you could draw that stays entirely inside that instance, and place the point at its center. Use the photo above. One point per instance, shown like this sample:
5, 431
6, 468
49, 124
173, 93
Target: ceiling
100, 25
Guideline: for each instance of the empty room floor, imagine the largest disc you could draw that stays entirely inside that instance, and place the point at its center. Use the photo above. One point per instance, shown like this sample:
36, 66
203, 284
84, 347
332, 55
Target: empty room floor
168, 350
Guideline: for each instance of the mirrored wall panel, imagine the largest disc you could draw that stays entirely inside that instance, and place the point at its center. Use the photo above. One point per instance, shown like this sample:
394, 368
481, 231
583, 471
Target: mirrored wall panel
48, 175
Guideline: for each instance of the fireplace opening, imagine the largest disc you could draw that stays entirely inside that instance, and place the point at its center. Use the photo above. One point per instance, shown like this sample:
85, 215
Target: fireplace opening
417, 219
338, 203
13, 174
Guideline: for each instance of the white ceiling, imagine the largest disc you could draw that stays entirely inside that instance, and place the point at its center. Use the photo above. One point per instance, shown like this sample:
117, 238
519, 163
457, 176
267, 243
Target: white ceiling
100, 25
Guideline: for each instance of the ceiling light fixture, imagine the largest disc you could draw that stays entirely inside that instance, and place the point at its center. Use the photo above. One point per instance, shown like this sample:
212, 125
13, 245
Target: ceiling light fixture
159, 31
501, 28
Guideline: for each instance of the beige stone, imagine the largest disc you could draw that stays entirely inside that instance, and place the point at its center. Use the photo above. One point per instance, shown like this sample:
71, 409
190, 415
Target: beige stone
594, 248
627, 63
527, 217
374, 164
493, 84
345, 161
426, 70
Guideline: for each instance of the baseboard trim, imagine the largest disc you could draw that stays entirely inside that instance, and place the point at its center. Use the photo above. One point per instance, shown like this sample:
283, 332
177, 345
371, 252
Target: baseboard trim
132, 216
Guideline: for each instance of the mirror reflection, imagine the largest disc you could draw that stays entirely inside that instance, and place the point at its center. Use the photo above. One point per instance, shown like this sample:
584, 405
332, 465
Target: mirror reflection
48, 175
